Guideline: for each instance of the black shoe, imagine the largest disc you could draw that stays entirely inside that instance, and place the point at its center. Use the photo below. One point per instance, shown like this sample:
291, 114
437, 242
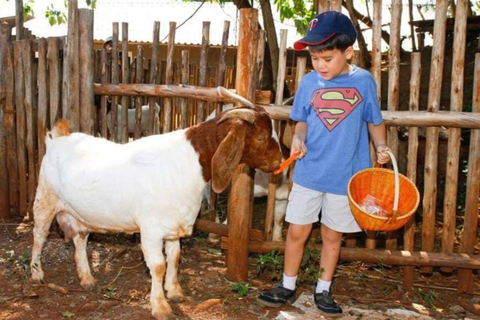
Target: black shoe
326, 304
276, 297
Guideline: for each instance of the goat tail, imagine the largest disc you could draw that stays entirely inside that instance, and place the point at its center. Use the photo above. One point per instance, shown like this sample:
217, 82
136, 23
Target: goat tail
59, 130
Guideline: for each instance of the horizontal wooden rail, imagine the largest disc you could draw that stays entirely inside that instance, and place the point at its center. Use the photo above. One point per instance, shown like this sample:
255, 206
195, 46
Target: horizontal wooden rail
399, 258
215, 94
469, 120
222, 229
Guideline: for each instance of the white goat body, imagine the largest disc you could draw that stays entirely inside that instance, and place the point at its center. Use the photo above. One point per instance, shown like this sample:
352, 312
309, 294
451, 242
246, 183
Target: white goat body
153, 185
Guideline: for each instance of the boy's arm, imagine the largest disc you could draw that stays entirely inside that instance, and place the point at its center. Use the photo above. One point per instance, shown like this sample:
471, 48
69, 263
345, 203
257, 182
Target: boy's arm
298, 140
379, 138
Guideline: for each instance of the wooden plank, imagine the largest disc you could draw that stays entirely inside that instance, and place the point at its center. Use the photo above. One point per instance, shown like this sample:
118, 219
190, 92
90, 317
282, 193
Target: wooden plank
167, 103
105, 58
87, 112
54, 80
409, 234
42, 98
125, 79
21, 128
222, 64
260, 63
377, 46
72, 72
139, 76
282, 64
202, 81
115, 79
454, 143
154, 75
431, 145
184, 102
470, 224
4, 173
30, 120
393, 97
10, 126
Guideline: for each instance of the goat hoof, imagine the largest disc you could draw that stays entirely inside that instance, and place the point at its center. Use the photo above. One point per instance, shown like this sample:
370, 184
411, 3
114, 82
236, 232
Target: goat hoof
163, 312
88, 285
176, 298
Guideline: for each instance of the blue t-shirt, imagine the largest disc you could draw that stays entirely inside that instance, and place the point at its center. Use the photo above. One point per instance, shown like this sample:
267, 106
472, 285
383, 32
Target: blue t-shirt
336, 112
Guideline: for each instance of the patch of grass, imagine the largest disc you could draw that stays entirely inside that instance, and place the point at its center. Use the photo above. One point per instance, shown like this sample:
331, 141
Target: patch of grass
428, 296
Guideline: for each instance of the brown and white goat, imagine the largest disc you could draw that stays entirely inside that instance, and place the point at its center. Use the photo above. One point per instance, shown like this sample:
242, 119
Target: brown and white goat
153, 185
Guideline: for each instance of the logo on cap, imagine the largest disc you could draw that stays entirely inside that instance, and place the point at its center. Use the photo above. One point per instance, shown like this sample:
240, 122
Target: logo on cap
312, 24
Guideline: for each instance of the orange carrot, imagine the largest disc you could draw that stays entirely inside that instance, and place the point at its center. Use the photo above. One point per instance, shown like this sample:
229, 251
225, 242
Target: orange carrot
287, 162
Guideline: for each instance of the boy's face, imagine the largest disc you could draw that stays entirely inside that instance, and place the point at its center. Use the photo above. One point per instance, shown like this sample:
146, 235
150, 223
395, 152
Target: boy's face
331, 63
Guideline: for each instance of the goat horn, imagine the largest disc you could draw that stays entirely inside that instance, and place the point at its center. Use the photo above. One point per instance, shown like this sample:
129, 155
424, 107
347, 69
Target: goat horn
223, 92
243, 114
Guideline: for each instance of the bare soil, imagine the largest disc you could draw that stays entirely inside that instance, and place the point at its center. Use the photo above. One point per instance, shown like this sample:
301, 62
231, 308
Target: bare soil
364, 291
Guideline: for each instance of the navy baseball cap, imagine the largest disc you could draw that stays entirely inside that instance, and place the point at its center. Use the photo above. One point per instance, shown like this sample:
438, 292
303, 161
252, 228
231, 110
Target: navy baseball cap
324, 26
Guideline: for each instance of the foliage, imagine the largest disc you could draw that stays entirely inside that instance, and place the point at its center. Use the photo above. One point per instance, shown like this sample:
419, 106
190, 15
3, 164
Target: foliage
272, 262
28, 9
55, 16
309, 268
301, 12
241, 288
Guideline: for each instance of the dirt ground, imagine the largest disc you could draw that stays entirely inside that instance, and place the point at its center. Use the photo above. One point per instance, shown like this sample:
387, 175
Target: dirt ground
364, 291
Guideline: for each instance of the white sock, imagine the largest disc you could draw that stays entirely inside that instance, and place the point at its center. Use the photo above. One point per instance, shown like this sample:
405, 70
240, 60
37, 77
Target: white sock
289, 282
323, 285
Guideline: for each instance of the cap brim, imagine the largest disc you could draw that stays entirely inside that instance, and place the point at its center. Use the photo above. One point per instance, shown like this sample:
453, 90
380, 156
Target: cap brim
311, 41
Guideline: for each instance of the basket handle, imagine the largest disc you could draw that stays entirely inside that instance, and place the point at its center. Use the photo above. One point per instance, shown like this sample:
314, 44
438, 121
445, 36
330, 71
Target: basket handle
397, 186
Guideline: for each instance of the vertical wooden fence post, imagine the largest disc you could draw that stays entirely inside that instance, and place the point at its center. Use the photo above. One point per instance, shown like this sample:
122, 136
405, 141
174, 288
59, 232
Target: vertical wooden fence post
394, 92
72, 72
241, 193
4, 177
431, 144
454, 134
86, 69
409, 235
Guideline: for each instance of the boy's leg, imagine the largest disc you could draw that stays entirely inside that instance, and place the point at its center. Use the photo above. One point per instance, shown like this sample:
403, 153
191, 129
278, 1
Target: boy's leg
336, 220
294, 247
331, 243
297, 235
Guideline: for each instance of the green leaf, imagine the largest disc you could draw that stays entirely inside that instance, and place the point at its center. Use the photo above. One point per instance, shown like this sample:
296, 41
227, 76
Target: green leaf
67, 314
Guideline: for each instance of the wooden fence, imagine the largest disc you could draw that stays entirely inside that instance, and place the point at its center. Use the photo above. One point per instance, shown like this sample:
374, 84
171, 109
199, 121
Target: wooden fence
44, 79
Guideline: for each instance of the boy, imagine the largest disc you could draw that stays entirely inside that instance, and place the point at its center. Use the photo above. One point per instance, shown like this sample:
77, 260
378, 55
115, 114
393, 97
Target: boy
336, 108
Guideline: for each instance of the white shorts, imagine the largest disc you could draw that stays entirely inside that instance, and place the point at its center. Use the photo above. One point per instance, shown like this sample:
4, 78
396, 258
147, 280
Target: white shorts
304, 207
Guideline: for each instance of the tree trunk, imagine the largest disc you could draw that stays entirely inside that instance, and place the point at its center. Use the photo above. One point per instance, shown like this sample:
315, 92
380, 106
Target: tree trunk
368, 22
272, 41
365, 57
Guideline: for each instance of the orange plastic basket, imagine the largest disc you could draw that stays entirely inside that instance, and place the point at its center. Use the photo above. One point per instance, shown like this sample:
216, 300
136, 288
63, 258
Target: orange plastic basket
396, 194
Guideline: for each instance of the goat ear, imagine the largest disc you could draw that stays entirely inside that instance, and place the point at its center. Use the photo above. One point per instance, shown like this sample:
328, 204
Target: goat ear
227, 157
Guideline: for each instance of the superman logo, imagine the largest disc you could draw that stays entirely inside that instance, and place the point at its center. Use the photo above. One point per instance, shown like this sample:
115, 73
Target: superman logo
332, 105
